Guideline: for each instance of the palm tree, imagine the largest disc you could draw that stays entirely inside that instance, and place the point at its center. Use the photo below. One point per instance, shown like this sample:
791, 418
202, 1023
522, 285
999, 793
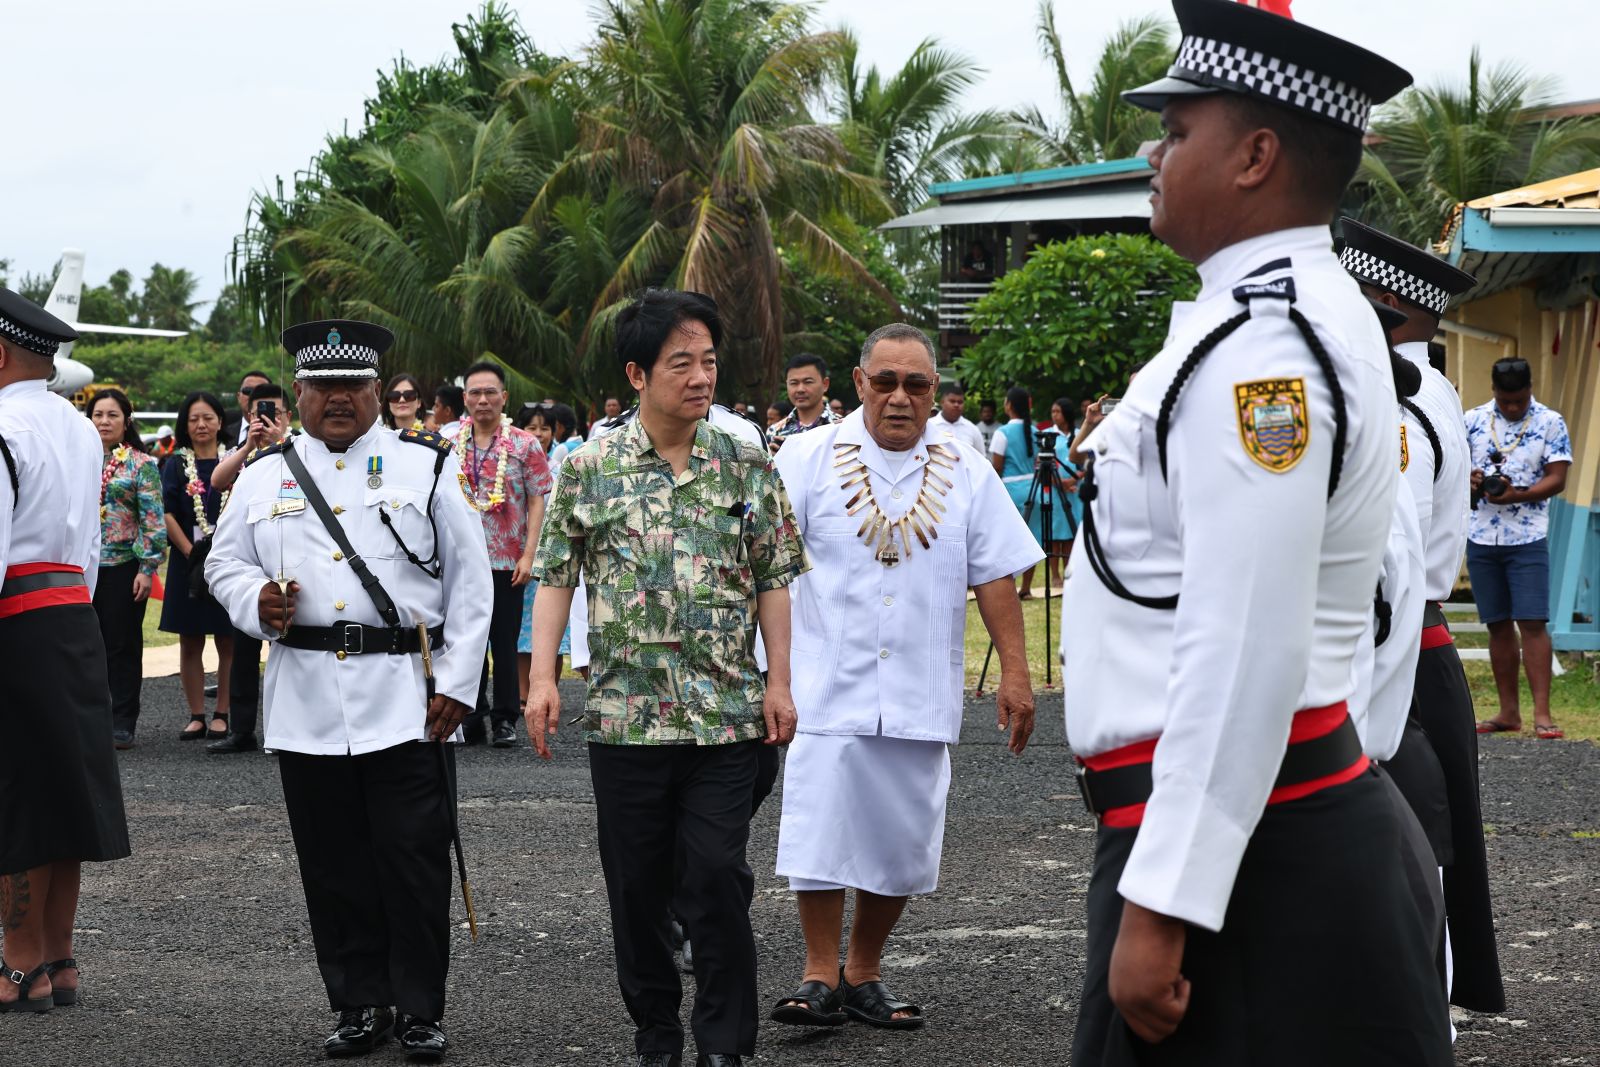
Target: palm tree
701, 110
1098, 124
1435, 147
908, 129
168, 302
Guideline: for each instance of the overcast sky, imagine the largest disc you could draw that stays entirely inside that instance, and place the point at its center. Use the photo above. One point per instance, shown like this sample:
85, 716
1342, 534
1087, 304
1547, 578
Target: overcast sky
138, 130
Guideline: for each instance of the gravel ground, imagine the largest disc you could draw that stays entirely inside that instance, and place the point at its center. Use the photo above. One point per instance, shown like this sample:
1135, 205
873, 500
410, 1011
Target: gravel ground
197, 950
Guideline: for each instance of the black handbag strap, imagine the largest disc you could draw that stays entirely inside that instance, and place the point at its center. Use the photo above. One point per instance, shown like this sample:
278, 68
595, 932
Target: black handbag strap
11, 469
369, 581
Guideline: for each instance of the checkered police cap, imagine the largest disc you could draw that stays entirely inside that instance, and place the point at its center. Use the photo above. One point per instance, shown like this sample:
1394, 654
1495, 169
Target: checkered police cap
1413, 274
1234, 48
27, 325
336, 348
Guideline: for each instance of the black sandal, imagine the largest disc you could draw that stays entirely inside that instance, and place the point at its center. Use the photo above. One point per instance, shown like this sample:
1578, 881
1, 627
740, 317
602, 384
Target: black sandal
187, 734
872, 1003
813, 1004
64, 998
217, 717
24, 982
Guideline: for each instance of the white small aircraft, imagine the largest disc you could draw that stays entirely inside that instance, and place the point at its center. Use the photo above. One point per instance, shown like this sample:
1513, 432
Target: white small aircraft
70, 376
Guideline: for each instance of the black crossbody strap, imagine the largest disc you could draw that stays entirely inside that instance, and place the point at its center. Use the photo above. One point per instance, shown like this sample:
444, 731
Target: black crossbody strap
1433, 435
11, 469
369, 581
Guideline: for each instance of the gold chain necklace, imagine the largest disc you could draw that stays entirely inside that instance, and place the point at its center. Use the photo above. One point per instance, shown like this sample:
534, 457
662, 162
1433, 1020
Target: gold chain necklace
877, 529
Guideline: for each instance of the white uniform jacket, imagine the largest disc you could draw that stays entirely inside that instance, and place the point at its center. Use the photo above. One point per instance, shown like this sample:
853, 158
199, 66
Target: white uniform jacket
1276, 580
1386, 674
55, 517
315, 702
877, 646
1443, 502
963, 429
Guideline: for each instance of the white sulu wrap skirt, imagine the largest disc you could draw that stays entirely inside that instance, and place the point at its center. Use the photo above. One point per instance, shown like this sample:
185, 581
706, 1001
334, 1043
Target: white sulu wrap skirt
863, 812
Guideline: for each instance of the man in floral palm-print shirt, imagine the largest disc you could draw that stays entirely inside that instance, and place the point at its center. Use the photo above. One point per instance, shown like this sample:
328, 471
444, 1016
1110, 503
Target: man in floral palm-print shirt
685, 539
1520, 456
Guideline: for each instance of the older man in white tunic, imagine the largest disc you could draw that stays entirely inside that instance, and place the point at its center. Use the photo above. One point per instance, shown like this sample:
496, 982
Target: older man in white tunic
899, 518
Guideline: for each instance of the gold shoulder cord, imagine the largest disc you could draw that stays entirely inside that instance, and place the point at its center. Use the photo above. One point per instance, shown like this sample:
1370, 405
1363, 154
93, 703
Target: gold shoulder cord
877, 529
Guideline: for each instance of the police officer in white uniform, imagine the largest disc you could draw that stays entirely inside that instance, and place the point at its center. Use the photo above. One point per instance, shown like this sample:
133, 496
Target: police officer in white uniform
1247, 904
356, 724
60, 795
899, 519
1421, 286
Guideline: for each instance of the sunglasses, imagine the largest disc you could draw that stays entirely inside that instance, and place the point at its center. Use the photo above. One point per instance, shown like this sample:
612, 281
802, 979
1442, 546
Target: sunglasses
406, 395
889, 381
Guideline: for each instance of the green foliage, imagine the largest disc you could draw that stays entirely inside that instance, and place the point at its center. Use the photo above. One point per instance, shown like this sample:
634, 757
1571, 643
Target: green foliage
167, 302
157, 373
1075, 316
1438, 146
830, 317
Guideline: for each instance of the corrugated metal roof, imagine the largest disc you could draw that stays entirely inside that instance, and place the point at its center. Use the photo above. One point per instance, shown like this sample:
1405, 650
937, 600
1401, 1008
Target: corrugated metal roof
1004, 183
1123, 201
1573, 190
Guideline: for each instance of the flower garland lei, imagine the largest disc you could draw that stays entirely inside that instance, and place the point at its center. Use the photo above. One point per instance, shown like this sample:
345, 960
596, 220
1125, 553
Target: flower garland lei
197, 490
119, 456
502, 444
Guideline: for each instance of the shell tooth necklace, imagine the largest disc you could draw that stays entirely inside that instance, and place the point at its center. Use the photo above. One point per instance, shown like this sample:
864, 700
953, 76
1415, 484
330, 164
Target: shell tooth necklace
877, 530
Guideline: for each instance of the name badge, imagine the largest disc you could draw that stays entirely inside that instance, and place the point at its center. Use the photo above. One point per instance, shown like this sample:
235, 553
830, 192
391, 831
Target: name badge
287, 507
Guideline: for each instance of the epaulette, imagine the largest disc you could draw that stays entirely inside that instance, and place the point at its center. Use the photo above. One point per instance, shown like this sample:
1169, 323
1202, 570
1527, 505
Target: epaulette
270, 450
428, 438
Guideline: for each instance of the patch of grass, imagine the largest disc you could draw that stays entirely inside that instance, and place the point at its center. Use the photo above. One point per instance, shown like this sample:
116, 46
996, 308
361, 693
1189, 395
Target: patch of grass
1586, 835
154, 637
1574, 697
1033, 624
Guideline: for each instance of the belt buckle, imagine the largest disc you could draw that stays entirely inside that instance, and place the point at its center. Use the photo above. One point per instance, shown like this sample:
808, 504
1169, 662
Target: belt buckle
1081, 772
345, 646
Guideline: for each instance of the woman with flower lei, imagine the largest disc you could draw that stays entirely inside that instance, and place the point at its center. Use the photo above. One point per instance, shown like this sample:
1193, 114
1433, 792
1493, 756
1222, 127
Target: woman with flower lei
192, 506
133, 538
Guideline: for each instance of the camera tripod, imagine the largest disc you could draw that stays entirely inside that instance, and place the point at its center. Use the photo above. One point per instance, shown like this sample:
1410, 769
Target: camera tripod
1045, 489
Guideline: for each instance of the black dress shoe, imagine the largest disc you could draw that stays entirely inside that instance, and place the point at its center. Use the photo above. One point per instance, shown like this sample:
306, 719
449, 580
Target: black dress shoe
359, 1031
659, 1059
504, 735
422, 1040
122, 740
233, 743
717, 1059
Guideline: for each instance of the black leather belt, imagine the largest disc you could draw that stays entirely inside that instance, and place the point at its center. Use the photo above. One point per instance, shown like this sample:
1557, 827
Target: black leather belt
1303, 761
1432, 615
32, 583
354, 639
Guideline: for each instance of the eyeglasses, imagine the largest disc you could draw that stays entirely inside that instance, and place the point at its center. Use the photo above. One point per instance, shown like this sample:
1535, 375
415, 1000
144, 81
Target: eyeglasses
482, 394
889, 381
406, 395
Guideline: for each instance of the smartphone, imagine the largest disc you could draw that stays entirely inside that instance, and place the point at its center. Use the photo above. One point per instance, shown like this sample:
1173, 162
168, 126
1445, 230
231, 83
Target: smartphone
1108, 405
267, 409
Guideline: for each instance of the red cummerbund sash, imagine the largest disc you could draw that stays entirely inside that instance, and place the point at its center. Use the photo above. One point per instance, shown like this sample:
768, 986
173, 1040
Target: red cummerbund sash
1323, 751
1435, 636
29, 586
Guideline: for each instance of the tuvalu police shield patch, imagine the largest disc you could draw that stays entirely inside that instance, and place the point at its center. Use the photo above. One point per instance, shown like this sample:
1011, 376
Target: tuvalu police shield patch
1272, 421
1405, 450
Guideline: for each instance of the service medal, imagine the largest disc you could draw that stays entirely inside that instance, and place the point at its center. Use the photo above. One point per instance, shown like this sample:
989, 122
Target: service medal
375, 472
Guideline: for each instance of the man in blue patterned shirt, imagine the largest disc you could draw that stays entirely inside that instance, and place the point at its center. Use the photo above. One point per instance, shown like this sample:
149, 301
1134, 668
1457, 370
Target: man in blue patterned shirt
1520, 456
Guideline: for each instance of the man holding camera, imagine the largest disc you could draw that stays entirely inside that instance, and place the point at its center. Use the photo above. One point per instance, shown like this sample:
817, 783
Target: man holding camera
1520, 456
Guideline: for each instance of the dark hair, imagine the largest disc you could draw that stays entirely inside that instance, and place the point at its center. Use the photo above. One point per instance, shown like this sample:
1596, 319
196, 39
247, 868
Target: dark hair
524, 416
807, 359
1511, 375
394, 383
452, 397
561, 416
951, 389
1067, 406
1022, 404
130, 434
1323, 156
482, 366
180, 426
644, 326
267, 391
253, 374
783, 407
1137, 366
987, 404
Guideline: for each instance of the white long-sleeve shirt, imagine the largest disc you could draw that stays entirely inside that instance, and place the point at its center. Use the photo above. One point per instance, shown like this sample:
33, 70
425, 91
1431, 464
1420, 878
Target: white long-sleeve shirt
1275, 578
315, 702
55, 516
1443, 503
1386, 674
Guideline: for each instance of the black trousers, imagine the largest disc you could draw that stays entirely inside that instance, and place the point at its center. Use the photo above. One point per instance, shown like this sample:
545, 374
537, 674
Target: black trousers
244, 685
1444, 709
505, 623
1325, 958
1415, 770
372, 833
122, 630
653, 803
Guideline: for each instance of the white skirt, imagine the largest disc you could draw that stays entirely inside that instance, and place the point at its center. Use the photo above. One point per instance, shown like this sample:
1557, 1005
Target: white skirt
863, 812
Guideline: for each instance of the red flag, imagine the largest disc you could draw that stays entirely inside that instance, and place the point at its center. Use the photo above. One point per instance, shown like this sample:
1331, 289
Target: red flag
1276, 7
